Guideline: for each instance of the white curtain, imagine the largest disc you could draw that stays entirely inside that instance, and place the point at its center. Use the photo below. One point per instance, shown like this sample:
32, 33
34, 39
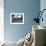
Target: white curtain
1, 20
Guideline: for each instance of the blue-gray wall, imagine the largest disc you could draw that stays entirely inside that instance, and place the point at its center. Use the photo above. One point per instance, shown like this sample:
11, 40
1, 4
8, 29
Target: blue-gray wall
29, 8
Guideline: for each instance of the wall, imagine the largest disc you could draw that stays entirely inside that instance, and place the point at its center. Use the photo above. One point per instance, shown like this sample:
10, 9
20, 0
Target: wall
29, 8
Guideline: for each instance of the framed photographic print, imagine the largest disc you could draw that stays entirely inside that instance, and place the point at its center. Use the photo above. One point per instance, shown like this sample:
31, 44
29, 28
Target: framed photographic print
16, 18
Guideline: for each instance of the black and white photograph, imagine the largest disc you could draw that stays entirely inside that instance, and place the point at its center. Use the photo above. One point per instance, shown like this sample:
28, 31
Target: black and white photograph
16, 18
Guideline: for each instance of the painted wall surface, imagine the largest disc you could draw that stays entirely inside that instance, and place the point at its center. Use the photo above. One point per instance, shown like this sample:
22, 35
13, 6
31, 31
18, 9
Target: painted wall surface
29, 8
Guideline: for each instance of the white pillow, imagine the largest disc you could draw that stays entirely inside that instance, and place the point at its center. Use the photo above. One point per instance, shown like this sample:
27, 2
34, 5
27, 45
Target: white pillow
21, 42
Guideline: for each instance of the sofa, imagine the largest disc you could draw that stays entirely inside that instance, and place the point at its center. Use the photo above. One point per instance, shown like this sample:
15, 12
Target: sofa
39, 33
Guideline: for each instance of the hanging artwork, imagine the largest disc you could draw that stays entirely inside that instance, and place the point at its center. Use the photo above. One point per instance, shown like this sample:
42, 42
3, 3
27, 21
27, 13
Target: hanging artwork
16, 18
